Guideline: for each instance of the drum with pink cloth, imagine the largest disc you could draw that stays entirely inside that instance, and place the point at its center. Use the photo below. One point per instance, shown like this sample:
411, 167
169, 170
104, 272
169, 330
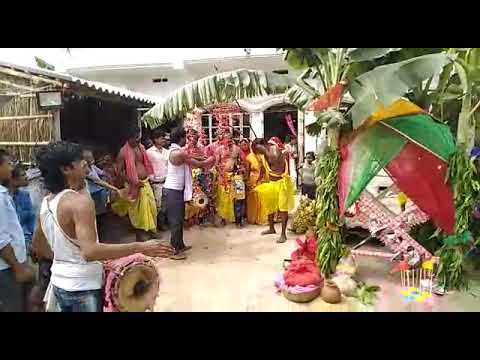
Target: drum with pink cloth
131, 284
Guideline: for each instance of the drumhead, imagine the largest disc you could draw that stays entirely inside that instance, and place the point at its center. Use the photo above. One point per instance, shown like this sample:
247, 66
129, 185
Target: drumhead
137, 289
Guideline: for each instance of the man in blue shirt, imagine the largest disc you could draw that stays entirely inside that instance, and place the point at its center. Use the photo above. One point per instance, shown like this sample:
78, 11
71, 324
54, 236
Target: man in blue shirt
23, 204
94, 179
14, 271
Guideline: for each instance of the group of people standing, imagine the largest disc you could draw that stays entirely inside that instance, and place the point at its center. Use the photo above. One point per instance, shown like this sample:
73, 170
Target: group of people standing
173, 181
250, 182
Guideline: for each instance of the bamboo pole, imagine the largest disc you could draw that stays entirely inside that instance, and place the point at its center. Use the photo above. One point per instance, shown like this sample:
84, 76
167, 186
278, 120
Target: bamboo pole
17, 130
26, 117
8, 83
28, 76
23, 143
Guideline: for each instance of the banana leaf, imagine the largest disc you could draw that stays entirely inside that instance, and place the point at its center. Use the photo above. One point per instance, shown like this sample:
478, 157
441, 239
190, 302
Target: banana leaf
388, 83
363, 54
218, 88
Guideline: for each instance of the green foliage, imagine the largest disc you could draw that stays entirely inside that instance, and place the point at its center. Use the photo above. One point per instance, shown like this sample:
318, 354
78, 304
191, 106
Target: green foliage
387, 83
364, 54
466, 187
42, 64
426, 235
330, 248
325, 67
367, 294
451, 272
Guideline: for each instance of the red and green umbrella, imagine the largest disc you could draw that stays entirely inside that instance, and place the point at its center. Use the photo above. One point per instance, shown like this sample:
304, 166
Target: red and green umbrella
414, 150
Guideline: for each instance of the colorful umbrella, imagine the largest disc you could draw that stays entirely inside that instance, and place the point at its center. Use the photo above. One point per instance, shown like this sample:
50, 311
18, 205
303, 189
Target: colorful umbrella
413, 148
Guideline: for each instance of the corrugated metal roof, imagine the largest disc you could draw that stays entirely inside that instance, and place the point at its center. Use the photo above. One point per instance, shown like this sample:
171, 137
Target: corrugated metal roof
95, 85
114, 90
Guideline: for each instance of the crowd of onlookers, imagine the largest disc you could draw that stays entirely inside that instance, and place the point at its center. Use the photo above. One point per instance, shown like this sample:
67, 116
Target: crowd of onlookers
22, 191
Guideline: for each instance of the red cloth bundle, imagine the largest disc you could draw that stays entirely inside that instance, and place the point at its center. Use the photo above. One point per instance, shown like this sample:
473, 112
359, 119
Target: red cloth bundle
302, 272
306, 249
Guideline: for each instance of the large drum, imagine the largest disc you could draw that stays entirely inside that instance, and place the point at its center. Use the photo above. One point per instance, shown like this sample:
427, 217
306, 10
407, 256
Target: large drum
131, 284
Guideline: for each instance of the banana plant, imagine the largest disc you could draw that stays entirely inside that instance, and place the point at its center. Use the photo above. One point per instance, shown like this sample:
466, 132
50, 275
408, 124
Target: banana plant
371, 75
219, 88
467, 67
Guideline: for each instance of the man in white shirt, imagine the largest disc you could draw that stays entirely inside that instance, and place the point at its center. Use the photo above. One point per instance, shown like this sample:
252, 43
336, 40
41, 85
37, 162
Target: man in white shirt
14, 271
158, 156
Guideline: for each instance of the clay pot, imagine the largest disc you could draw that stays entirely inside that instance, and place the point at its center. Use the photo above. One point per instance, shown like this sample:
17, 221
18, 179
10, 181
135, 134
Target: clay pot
331, 293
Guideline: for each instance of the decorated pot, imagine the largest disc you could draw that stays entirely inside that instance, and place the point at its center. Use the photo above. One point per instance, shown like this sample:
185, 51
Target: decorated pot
331, 293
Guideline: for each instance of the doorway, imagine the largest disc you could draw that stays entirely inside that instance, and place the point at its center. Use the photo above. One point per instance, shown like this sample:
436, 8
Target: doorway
275, 123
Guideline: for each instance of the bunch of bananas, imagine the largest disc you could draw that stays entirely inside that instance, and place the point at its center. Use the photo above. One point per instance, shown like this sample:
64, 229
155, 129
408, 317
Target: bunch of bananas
304, 217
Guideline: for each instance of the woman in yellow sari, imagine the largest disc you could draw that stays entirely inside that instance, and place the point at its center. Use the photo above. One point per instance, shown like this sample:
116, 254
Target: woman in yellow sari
256, 175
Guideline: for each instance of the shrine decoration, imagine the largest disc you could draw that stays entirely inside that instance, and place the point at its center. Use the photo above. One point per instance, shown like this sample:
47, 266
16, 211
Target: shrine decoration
413, 149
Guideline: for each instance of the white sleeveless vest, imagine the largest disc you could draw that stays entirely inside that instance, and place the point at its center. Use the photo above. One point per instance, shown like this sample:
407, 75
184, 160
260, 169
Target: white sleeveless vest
70, 271
175, 173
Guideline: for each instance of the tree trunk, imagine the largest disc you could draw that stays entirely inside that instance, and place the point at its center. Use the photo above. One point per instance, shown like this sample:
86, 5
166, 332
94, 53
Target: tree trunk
466, 126
333, 135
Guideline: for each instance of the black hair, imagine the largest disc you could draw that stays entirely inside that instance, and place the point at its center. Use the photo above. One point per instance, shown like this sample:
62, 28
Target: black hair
157, 133
18, 170
3, 155
52, 158
259, 141
310, 153
133, 131
177, 134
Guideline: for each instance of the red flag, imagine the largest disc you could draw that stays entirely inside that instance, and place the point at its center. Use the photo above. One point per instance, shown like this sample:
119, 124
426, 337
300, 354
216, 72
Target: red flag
421, 175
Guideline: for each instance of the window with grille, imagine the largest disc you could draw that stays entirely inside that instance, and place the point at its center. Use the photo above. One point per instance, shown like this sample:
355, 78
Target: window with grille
240, 122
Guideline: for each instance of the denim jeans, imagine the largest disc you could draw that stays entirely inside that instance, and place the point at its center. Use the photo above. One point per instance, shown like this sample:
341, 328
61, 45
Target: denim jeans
78, 301
239, 211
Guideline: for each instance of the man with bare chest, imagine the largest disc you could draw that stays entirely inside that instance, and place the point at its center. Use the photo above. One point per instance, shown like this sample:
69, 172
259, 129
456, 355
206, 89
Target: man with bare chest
226, 155
276, 195
135, 168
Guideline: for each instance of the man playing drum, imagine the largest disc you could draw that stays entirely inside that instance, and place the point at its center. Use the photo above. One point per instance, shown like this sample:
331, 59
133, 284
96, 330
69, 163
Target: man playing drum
67, 221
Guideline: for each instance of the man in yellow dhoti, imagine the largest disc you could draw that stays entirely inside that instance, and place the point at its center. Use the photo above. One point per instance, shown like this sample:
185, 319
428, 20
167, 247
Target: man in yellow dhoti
276, 195
135, 167
141, 211
227, 154
256, 175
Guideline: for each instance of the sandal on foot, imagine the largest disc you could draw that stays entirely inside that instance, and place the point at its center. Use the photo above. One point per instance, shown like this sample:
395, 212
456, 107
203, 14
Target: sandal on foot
186, 248
178, 256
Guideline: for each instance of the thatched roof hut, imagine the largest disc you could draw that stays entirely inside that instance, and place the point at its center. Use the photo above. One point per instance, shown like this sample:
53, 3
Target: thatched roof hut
91, 111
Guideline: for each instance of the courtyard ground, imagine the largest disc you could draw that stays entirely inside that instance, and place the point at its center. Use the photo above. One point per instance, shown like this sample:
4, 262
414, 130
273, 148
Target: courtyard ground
232, 269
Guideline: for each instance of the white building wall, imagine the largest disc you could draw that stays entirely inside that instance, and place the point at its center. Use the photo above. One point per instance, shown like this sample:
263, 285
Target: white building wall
257, 122
311, 142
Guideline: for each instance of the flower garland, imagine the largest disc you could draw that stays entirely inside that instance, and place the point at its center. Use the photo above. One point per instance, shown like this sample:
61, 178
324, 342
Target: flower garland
221, 113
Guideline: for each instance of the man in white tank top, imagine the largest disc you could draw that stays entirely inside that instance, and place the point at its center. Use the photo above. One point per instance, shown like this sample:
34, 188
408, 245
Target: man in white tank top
67, 221
178, 174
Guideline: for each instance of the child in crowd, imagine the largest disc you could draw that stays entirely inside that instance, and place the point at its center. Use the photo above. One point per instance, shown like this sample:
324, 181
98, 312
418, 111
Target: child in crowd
238, 181
308, 175
98, 192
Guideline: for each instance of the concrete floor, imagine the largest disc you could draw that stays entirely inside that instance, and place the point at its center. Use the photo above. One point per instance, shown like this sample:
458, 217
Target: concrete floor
232, 269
